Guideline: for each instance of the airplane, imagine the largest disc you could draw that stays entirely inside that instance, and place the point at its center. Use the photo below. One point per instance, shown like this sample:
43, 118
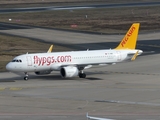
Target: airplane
73, 63
96, 118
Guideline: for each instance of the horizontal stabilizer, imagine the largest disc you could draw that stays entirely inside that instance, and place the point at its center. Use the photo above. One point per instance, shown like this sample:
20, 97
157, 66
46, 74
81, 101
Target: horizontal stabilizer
135, 55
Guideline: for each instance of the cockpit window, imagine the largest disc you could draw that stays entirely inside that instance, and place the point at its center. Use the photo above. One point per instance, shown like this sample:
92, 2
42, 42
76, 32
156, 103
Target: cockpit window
16, 60
13, 60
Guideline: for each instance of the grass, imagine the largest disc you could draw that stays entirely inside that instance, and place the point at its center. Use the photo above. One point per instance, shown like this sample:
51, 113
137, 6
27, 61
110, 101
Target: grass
105, 20
3, 66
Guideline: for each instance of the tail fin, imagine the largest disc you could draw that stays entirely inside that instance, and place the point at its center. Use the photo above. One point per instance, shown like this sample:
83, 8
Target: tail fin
130, 39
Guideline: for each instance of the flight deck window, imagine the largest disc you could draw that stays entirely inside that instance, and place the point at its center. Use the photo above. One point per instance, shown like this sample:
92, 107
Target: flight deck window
13, 60
16, 60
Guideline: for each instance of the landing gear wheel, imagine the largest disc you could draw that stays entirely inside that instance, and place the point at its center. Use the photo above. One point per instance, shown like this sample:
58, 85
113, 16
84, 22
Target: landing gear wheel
26, 78
82, 75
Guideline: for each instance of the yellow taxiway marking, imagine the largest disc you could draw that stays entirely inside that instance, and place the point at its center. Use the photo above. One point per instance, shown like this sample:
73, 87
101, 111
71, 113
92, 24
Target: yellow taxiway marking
15, 88
10, 88
2, 88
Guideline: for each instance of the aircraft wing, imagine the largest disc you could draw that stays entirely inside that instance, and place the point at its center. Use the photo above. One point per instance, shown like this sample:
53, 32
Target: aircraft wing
95, 65
96, 118
87, 66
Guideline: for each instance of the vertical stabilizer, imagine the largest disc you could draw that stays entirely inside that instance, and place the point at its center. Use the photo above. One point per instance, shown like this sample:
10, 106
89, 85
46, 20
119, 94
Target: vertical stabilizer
130, 39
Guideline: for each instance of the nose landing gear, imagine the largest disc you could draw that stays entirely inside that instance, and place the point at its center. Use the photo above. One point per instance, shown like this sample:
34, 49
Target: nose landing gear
26, 76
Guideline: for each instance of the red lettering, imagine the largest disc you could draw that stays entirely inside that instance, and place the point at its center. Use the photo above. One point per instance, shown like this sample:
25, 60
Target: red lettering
58, 59
129, 34
35, 59
68, 58
123, 43
51, 59
40, 60
126, 38
43, 60
62, 58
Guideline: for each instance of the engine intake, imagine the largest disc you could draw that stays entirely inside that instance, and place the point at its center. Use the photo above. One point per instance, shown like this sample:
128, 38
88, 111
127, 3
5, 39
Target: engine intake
69, 71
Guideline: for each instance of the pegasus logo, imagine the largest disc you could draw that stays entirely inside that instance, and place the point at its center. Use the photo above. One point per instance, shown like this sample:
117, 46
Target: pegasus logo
127, 36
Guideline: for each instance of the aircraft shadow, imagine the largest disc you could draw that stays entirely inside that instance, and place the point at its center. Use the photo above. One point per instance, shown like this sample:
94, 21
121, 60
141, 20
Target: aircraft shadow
50, 77
8, 79
58, 77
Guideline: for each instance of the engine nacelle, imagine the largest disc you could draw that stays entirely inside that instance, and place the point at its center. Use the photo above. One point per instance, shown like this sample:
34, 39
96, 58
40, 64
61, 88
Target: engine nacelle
69, 71
42, 72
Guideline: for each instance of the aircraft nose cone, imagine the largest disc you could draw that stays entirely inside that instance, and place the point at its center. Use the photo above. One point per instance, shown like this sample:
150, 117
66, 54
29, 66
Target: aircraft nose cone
9, 67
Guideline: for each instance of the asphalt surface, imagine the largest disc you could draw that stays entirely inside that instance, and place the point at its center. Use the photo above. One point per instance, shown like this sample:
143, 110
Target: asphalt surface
38, 9
149, 43
125, 91
10, 26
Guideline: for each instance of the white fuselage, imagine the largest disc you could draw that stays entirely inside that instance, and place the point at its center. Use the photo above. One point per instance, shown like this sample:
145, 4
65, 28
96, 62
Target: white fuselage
54, 61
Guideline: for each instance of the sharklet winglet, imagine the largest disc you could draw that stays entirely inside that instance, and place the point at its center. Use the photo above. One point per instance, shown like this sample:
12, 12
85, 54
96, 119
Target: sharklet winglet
50, 49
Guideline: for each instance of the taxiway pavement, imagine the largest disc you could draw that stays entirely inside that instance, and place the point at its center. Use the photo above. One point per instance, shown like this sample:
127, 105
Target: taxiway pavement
128, 90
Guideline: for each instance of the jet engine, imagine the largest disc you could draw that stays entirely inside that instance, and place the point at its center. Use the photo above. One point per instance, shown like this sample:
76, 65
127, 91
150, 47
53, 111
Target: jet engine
69, 71
42, 72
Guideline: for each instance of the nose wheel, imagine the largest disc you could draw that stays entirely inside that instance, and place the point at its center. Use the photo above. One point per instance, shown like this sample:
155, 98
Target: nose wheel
26, 76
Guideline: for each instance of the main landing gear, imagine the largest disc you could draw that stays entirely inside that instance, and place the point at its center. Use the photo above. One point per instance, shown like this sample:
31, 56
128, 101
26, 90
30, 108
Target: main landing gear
26, 76
82, 74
